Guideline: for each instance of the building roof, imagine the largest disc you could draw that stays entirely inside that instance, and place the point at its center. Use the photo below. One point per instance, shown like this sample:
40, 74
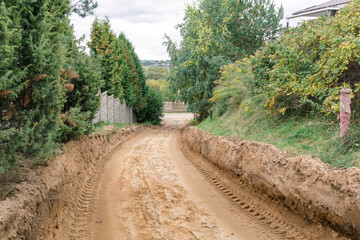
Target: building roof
328, 4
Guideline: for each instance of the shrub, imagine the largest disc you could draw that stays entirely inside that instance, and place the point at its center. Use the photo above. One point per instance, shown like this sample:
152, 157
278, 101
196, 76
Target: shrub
74, 124
235, 87
154, 107
307, 67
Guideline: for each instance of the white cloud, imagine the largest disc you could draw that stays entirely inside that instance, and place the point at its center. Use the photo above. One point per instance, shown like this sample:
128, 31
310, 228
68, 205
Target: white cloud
145, 22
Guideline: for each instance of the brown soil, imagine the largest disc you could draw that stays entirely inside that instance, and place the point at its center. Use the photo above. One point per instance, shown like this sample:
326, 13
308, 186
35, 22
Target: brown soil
144, 183
42, 201
301, 183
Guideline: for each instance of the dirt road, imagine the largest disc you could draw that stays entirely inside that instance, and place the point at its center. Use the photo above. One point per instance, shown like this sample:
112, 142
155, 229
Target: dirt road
153, 188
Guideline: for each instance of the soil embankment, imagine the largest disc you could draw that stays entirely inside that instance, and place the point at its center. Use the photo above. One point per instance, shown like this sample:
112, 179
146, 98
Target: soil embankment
304, 184
49, 199
164, 183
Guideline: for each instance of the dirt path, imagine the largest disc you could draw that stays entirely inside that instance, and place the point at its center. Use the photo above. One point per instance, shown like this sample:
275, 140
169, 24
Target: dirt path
150, 190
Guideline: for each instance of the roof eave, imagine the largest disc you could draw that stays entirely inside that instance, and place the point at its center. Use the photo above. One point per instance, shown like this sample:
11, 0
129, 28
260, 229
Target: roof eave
314, 13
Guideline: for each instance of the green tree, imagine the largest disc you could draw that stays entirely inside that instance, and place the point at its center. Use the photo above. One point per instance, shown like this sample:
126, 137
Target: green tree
121, 67
154, 107
137, 83
156, 73
32, 93
83, 7
11, 81
81, 76
216, 33
30, 77
102, 44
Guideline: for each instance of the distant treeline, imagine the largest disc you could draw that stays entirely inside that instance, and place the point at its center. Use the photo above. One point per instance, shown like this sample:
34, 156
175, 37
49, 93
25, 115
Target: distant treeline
155, 63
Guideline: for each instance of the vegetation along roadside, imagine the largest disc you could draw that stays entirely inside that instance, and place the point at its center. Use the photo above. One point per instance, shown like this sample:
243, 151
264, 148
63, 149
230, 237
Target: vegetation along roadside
283, 89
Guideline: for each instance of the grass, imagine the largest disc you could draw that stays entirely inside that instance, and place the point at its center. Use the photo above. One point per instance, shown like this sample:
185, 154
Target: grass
301, 136
98, 127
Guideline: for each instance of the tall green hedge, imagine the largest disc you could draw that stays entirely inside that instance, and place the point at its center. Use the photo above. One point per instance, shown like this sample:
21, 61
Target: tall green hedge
121, 69
37, 51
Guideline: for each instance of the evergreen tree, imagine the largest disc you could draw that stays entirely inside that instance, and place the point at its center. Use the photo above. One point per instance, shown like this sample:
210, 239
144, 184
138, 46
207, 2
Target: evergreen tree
135, 85
82, 77
83, 7
36, 41
120, 66
42, 53
11, 84
102, 44
122, 71
30, 76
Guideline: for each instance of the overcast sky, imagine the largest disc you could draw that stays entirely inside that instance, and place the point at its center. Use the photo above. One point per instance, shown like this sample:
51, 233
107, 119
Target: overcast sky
145, 22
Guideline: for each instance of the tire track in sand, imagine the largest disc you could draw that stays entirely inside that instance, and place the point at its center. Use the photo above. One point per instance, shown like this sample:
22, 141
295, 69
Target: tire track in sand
257, 209
144, 199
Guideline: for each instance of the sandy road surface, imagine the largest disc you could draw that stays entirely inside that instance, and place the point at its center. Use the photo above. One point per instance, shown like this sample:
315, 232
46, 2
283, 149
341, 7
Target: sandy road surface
149, 190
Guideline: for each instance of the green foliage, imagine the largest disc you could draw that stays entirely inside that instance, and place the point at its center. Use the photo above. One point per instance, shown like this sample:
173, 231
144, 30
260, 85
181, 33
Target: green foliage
302, 136
30, 78
305, 70
74, 124
98, 127
157, 79
234, 88
251, 24
156, 73
135, 83
215, 33
81, 76
10, 80
102, 44
154, 108
120, 67
40, 63
83, 7
240, 101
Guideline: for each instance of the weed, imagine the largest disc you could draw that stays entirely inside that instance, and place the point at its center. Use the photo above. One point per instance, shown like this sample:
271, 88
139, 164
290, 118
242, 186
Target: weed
314, 136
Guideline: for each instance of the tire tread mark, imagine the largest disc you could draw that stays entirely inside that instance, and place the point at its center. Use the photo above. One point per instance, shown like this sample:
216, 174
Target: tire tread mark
263, 216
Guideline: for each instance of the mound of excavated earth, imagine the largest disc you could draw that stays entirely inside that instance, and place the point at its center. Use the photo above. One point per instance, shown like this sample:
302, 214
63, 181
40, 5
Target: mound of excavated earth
51, 199
304, 184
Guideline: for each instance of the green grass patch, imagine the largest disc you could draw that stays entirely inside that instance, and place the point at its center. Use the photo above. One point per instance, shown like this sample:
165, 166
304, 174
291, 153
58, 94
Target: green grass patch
98, 127
301, 136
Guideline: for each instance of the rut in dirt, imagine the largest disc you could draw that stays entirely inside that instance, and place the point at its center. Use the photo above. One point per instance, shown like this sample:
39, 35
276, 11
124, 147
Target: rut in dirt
154, 187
